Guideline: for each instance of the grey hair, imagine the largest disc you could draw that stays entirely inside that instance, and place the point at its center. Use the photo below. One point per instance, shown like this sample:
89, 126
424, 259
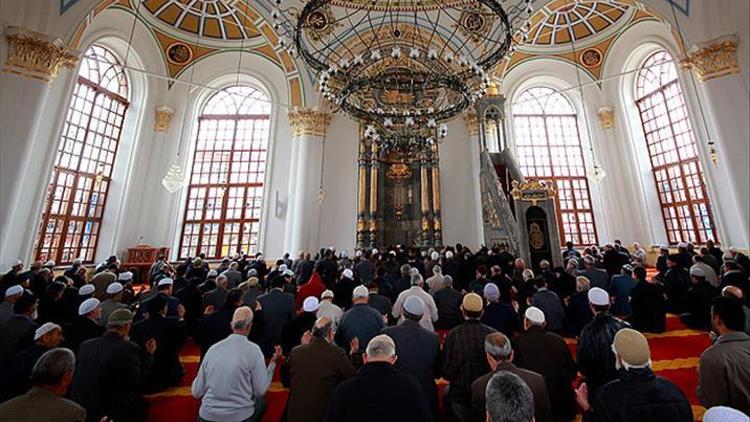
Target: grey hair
222, 279
509, 399
437, 269
494, 349
416, 279
405, 269
324, 329
380, 348
447, 281
527, 274
242, 324
582, 283
50, 368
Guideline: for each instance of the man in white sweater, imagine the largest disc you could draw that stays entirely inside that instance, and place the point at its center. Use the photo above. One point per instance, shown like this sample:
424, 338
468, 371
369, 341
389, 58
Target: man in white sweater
430, 314
233, 377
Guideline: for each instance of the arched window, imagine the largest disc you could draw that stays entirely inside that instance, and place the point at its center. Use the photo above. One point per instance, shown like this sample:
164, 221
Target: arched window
77, 191
673, 152
225, 196
548, 147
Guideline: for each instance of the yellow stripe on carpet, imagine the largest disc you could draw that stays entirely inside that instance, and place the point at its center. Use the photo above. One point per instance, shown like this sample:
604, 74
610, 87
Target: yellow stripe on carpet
676, 333
680, 363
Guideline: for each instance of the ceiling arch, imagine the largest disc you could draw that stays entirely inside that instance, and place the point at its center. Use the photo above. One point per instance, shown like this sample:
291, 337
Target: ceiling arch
562, 22
213, 19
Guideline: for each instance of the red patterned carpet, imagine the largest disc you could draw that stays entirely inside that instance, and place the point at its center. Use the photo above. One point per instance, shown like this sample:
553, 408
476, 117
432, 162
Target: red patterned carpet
675, 356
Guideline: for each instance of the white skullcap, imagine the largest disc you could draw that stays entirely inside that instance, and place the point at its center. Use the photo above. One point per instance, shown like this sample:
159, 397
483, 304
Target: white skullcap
449, 254
414, 305
17, 263
326, 294
358, 253
534, 315
435, 256
310, 304
360, 292
126, 276
212, 273
49, 264
682, 245
282, 268
348, 274
14, 290
288, 273
252, 272
86, 289
724, 414
114, 288
598, 297
491, 292
393, 253
78, 261
698, 272
165, 282
88, 305
375, 251
733, 249
44, 329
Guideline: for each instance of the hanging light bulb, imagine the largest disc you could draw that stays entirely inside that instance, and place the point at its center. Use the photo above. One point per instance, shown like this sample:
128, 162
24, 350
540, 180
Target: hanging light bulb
174, 179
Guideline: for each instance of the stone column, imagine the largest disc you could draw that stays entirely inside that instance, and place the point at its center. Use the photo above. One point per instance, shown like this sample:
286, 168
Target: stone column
374, 170
472, 127
727, 105
437, 223
32, 65
424, 187
362, 217
308, 129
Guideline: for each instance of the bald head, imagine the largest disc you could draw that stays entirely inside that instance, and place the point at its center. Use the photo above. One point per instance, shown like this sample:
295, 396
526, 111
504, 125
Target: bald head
733, 291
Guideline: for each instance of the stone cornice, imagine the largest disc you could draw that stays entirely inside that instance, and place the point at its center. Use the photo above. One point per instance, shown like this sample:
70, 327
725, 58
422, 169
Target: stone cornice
37, 56
713, 59
305, 121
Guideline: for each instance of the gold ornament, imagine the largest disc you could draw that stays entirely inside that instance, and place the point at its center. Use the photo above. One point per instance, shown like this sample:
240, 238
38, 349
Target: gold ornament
472, 123
305, 121
606, 117
37, 56
713, 59
533, 191
163, 118
536, 238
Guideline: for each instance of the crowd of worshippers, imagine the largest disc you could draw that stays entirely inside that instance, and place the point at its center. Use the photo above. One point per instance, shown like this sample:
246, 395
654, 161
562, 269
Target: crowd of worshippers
365, 337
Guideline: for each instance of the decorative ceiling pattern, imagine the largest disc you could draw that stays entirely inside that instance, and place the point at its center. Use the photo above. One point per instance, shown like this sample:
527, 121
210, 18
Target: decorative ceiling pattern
562, 22
213, 19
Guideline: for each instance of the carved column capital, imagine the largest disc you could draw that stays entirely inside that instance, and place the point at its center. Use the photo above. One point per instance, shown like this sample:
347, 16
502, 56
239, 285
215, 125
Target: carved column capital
305, 121
713, 59
472, 123
37, 56
163, 118
606, 117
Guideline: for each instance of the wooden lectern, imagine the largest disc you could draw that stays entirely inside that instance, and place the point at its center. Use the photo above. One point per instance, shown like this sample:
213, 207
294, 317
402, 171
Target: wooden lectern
140, 259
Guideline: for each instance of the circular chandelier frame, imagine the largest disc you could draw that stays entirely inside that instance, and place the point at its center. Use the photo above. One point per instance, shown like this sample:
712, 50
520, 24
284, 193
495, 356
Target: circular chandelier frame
438, 76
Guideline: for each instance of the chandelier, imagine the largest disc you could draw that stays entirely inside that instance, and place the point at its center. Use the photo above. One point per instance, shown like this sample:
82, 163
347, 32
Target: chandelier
400, 66
407, 140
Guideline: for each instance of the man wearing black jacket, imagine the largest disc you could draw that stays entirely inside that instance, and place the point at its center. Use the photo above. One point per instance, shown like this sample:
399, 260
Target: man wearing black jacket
111, 371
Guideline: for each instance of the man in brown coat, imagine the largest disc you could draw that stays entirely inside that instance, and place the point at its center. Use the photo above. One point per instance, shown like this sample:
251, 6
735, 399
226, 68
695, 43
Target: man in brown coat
724, 370
312, 371
51, 377
500, 357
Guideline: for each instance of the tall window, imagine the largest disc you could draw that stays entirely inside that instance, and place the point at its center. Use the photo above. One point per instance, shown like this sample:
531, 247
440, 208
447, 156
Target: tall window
548, 147
225, 197
672, 149
77, 191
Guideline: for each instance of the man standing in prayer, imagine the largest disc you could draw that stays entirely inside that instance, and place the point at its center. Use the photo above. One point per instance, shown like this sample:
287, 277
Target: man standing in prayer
110, 372
429, 316
233, 376
399, 396
311, 373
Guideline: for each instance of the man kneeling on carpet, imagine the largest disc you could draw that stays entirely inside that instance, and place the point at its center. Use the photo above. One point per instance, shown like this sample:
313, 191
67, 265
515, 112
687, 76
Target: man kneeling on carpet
233, 377
637, 394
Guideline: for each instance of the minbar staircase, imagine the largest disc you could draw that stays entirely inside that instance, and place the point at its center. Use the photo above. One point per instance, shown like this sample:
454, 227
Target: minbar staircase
497, 171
